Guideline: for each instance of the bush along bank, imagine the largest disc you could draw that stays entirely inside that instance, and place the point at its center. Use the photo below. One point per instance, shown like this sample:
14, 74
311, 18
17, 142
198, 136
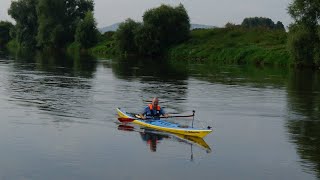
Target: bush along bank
234, 45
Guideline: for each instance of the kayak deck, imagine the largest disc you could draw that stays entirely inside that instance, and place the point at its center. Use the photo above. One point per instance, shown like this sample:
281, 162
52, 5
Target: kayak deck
165, 125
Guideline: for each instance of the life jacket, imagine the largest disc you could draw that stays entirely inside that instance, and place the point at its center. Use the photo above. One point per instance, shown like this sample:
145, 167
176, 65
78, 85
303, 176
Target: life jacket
151, 107
157, 114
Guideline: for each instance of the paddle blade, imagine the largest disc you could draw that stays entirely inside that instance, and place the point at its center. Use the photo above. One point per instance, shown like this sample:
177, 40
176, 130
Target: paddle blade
125, 120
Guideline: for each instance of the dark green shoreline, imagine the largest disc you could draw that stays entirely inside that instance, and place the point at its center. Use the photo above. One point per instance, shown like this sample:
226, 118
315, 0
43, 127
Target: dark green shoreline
236, 45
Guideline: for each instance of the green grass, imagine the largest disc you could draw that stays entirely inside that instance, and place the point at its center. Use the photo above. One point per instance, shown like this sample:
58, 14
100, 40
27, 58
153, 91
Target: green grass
13, 44
74, 48
103, 49
234, 46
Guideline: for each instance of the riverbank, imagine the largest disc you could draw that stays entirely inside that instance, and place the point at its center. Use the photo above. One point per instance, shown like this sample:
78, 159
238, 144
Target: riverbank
234, 46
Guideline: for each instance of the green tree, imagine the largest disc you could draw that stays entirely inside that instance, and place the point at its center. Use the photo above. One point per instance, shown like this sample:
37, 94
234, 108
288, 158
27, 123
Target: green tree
25, 15
86, 32
280, 26
304, 33
254, 22
5, 29
162, 27
230, 25
147, 41
58, 21
125, 37
305, 12
51, 23
301, 44
171, 25
107, 36
76, 11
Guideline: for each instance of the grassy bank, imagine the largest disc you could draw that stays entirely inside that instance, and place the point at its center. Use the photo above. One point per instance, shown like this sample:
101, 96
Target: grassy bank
234, 46
104, 48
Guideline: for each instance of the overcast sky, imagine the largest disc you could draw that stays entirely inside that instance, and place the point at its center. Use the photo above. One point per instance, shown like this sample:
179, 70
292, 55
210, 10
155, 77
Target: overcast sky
209, 12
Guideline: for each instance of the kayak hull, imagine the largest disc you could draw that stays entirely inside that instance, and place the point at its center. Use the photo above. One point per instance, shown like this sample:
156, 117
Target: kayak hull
162, 125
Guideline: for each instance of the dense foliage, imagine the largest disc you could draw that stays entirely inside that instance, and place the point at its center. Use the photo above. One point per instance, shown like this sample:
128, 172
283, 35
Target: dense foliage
263, 22
48, 23
169, 25
86, 32
6, 29
125, 36
304, 43
25, 14
51, 23
236, 45
162, 27
60, 23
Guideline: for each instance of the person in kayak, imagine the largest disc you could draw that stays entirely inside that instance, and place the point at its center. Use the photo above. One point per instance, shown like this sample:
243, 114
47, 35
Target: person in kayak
153, 111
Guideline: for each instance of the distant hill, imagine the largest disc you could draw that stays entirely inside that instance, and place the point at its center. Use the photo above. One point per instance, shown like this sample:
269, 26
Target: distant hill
115, 26
112, 27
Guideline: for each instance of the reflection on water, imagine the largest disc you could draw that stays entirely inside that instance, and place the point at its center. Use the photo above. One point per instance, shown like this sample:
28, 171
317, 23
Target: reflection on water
56, 84
58, 64
303, 89
157, 78
147, 70
152, 138
244, 104
235, 75
304, 117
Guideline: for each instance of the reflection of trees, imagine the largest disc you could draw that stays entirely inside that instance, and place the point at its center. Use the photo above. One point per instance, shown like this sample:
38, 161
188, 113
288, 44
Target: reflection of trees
1, 53
57, 63
169, 80
145, 69
54, 83
157, 78
234, 74
304, 118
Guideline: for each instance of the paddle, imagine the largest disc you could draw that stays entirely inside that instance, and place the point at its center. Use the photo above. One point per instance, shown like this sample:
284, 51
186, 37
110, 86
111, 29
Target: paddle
132, 119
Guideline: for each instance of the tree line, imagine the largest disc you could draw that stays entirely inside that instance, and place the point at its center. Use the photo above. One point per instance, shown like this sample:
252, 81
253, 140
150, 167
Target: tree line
161, 28
50, 24
262, 22
47, 24
56, 24
304, 33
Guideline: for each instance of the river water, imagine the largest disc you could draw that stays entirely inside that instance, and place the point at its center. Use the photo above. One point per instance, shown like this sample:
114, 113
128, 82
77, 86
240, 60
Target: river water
58, 120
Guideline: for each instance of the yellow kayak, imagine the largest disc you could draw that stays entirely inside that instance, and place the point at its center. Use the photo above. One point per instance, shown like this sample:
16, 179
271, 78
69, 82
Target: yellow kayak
166, 126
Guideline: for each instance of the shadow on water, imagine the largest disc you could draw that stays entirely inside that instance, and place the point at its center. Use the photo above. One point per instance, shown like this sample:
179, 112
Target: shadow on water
147, 70
56, 63
303, 122
169, 79
156, 78
57, 84
153, 138
234, 74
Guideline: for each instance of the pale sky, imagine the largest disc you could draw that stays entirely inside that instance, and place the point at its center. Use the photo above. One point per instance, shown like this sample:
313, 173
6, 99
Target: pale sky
208, 12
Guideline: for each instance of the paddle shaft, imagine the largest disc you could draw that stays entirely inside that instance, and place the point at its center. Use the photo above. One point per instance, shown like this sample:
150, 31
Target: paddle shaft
178, 116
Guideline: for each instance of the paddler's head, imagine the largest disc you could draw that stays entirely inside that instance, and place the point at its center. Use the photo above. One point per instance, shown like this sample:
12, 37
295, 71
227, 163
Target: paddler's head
155, 102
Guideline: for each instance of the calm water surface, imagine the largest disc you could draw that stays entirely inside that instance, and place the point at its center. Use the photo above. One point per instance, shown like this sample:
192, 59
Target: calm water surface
58, 121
